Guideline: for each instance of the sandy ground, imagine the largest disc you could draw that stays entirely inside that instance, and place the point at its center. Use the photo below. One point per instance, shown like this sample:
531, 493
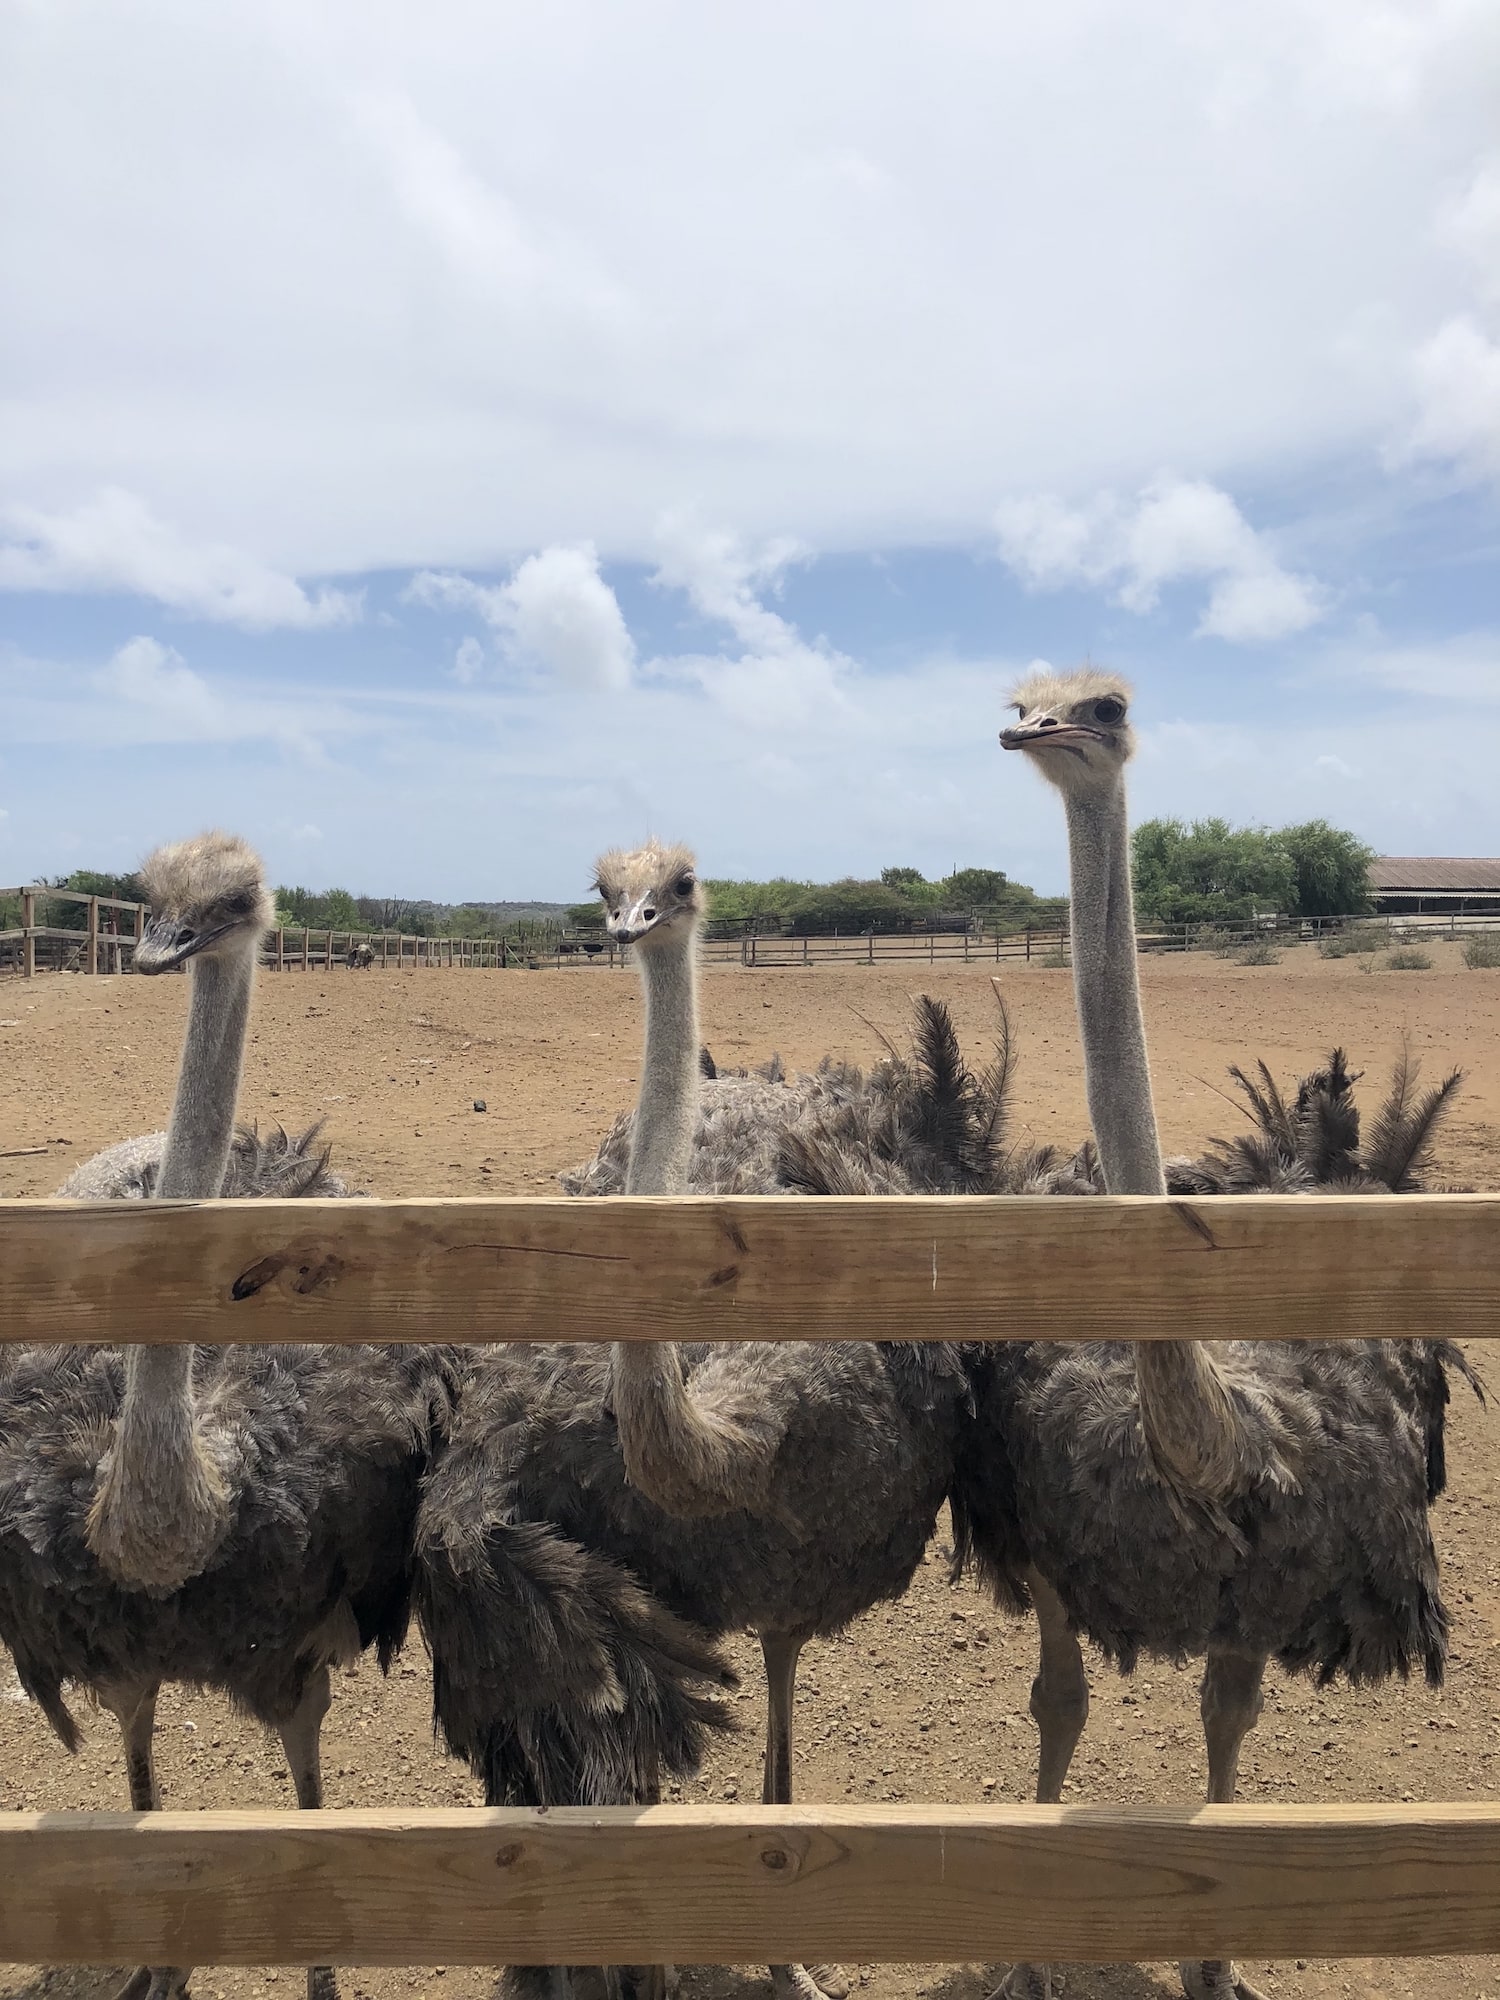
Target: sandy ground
925, 1699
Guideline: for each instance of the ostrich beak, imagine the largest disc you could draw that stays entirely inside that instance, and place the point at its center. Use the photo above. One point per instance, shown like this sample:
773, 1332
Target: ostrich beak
168, 943
1038, 731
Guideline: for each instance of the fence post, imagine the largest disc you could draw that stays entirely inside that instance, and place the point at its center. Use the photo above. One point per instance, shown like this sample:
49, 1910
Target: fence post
1028, 944
28, 942
280, 949
91, 957
304, 947
871, 953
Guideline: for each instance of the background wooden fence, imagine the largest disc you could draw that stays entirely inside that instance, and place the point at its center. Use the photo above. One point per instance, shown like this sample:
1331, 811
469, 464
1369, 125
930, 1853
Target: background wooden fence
107, 943
726, 1884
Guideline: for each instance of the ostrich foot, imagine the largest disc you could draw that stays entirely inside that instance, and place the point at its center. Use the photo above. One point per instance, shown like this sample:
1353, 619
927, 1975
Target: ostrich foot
322, 1983
1027, 1982
809, 1982
1216, 1979
156, 1982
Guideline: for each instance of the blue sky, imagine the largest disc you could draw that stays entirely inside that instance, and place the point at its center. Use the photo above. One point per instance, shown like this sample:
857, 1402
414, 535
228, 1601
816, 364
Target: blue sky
439, 445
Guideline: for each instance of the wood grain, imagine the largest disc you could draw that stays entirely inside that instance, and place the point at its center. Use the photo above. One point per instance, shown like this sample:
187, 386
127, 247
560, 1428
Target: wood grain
727, 1885
751, 1268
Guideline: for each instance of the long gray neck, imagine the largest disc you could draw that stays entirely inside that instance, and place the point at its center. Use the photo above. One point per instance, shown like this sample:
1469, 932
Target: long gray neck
1116, 1071
661, 1147
1191, 1427
208, 1081
162, 1505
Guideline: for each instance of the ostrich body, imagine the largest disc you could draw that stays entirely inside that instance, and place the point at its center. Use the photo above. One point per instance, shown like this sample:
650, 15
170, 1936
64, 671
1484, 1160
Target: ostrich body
234, 1517
782, 1486
282, 1166
1321, 1459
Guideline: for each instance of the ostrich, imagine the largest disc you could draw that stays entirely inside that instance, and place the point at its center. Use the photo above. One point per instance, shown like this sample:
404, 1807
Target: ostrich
360, 957
1321, 1459
784, 1487
236, 1518
282, 1165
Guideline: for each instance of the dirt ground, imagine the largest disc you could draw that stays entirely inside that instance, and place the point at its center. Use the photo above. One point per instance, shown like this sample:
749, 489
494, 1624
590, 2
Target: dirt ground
925, 1699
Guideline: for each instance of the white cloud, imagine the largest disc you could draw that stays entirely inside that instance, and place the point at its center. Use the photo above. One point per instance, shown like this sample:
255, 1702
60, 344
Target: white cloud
115, 542
1174, 530
556, 613
151, 676
355, 300
1458, 395
780, 681
468, 661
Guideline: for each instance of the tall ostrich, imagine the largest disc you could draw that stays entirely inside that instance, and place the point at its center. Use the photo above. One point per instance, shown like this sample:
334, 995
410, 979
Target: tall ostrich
236, 1518
1318, 1551
783, 1487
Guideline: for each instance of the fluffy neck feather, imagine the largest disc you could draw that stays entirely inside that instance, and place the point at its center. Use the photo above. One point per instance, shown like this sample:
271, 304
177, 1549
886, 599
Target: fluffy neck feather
162, 1505
1187, 1415
661, 1147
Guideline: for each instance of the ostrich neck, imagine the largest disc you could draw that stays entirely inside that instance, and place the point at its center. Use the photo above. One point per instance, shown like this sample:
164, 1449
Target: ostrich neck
661, 1147
1116, 1071
673, 1450
1186, 1412
161, 1508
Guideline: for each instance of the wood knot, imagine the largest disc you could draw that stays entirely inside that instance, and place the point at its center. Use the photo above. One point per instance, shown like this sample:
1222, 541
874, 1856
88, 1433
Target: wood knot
508, 1856
248, 1283
1195, 1222
726, 1276
317, 1277
775, 1858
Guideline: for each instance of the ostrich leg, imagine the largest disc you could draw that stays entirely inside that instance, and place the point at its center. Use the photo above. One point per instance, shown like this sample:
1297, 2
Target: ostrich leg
1060, 1708
133, 1706
301, 1735
1231, 1709
781, 1653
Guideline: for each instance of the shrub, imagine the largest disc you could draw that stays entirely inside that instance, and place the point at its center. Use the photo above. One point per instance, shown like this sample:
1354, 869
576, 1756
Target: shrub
1056, 961
1354, 939
1409, 960
1482, 954
1262, 952
1206, 937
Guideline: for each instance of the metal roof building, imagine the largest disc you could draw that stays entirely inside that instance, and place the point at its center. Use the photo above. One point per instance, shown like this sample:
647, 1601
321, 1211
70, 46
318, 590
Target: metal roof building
1403, 883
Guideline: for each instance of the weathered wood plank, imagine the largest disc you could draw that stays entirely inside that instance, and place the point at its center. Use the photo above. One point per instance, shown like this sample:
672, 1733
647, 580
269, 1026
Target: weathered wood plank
751, 1268
705, 1884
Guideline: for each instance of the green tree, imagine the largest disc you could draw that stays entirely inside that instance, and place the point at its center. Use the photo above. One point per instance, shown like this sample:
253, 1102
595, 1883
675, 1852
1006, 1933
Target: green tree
903, 879
1210, 871
1332, 870
975, 888
849, 907
340, 911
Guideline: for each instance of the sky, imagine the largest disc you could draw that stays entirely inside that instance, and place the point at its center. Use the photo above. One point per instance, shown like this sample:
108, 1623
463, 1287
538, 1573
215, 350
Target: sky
440, 442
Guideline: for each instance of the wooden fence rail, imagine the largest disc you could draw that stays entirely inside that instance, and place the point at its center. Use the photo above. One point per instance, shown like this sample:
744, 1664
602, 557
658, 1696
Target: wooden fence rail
727, 1884
730, 1884
753, 1267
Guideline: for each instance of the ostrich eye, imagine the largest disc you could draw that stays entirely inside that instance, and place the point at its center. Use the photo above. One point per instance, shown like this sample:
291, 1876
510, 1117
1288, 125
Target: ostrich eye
1020, 708
685, 885
1109, 710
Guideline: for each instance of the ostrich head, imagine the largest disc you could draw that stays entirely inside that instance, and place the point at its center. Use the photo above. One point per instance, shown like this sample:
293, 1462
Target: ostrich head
207, 895
650, 896
1076, 727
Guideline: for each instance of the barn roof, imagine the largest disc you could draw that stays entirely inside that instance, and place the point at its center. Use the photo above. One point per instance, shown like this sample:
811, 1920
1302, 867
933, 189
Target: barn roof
1414, 874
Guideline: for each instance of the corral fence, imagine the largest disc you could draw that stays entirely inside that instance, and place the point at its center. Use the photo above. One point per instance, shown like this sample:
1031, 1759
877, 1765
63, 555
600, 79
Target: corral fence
107, 942
726, 1884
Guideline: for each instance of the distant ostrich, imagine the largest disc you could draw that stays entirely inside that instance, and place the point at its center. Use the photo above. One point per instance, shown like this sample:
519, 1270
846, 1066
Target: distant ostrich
281, 1166
1321, 1458
237, 1518
360, 957
785, 1487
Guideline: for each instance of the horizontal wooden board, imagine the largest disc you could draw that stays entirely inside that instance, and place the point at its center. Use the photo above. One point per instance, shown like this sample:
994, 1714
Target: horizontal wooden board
726, 1885
752, 1268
